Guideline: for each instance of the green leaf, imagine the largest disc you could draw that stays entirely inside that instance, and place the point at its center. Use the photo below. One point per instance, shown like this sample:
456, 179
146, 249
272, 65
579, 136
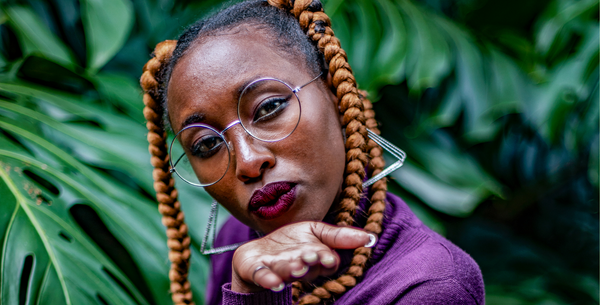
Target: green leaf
123, 92
131, 219
471, 83
35, 37
73, 105
447, 198
41, 70
366, 38
389, 60
551, 32
373, 30
122, 150
56, 252
117, 143
107, 24
565, 87
428, 57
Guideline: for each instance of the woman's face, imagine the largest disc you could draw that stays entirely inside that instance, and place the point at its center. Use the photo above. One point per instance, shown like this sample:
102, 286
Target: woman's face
267, 185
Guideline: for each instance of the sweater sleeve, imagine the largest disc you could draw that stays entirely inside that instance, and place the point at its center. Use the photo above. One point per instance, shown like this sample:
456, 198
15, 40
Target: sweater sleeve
230, 297
443, 292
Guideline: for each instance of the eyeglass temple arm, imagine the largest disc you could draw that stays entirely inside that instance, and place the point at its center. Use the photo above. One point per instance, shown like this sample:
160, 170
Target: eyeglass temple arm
295, 90
172, 169
393, 150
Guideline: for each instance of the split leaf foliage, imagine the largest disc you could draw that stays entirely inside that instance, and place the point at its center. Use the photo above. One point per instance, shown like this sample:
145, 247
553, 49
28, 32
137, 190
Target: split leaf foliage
500, 123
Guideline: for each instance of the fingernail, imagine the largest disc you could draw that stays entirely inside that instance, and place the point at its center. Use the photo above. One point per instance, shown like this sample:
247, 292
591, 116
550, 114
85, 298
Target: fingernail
300, 273
278, 288
372, 240
310, 257
328, 261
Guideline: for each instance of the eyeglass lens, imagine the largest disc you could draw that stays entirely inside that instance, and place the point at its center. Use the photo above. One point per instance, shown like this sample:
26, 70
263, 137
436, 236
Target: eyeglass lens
205, 156
268, 110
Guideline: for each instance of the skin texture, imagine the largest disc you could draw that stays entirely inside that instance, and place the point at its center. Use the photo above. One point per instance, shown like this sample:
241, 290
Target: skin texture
206, 82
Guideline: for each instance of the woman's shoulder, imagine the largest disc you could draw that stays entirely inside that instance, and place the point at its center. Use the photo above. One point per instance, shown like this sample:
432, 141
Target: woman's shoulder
414, 264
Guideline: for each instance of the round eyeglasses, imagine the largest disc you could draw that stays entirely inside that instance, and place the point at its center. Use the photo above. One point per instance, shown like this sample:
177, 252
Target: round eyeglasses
268, 109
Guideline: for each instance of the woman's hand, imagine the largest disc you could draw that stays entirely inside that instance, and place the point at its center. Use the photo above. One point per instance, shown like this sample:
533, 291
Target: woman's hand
297, 251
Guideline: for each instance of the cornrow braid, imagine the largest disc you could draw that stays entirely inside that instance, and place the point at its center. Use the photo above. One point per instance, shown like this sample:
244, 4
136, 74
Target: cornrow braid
357, 114
164, 184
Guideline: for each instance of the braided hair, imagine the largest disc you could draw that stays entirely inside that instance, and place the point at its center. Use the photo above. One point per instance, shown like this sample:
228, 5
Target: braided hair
301, 29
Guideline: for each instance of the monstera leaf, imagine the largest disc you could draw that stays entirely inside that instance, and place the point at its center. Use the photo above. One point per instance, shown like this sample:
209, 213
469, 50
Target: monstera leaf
77, 216
78, 219
72, 233
45, 248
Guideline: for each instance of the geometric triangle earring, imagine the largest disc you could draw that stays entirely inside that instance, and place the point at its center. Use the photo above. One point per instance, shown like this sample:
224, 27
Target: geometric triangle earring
390, 148
212, 224
214, 208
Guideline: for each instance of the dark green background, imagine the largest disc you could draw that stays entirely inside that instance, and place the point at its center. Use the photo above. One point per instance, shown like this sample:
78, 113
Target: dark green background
495, 103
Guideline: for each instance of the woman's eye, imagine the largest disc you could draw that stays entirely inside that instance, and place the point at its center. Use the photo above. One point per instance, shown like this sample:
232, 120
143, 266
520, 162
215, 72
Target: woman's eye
207, 146
271, 108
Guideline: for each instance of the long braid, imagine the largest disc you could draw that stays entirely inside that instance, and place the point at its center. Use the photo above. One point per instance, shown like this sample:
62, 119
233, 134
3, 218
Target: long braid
360, 151
357, 116
378, 190
164, 184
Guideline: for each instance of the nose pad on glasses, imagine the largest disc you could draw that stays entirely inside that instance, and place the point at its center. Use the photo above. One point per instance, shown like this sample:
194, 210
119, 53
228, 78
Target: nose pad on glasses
250, 158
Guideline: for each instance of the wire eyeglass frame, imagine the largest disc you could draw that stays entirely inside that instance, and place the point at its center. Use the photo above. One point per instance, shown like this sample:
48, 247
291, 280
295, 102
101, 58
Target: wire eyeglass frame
221, 134
396, 152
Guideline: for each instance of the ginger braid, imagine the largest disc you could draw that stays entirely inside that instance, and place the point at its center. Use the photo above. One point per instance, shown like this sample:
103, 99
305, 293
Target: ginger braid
376, 164
357, 116
164, 184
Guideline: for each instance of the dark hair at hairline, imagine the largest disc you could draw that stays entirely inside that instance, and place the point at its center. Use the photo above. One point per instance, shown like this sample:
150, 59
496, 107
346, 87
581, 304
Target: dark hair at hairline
283, 29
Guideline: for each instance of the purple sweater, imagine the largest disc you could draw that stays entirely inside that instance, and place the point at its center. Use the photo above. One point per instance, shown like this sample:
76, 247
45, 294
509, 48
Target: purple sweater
411, 264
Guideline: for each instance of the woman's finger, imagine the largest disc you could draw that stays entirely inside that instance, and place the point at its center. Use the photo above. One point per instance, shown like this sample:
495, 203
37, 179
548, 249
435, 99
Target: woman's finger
342, 237
264, 277
326, 263
329, 261
290, 271
310, 258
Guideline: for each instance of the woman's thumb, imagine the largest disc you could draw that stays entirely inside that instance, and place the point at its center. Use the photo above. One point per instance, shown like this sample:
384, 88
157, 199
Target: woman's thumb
343, 237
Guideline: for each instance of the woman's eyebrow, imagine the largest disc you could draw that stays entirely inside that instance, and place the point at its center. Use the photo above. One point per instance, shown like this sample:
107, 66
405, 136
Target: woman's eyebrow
193, 119
249, 85
200, 117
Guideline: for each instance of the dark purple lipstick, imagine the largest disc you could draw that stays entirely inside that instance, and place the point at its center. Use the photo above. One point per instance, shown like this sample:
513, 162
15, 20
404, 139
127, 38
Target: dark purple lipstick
273, 199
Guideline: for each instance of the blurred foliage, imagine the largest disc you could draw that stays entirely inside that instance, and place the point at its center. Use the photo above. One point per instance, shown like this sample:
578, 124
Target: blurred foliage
496, 104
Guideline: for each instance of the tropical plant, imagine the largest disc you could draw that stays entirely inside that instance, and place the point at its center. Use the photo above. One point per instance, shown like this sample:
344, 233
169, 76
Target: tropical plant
79, 222
500, 126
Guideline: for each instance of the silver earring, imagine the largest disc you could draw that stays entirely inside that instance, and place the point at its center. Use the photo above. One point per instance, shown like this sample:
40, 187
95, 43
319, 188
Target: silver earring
212, 225
390, 148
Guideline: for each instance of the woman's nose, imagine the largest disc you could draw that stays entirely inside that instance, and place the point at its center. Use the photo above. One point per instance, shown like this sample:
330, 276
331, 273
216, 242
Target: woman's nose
249, 156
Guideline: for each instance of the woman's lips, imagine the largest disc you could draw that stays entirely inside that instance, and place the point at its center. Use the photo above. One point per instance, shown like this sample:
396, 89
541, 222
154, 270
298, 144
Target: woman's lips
273, 199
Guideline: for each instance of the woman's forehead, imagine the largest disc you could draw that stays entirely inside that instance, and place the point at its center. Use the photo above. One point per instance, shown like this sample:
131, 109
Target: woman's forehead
214, 71
235, 54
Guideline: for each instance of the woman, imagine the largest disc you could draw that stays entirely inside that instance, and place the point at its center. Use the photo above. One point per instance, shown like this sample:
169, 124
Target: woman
273, 127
